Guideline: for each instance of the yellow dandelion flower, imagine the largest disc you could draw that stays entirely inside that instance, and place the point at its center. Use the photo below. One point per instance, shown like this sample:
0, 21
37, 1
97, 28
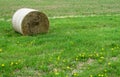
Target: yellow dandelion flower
109, 63
90, 55
97, 54
102, 57
112, 49
0, 50
82, 55
102, 49
102, 75
68, 67
63, 60
75, 74
91, 75
105, 70
2, 65
100, 61
19, 60
58, 58
16, 63
99, 74
101, 53
76, 59
56, 73
11, 63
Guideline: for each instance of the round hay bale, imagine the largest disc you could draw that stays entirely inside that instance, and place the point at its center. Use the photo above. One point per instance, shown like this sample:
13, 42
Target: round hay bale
29, 21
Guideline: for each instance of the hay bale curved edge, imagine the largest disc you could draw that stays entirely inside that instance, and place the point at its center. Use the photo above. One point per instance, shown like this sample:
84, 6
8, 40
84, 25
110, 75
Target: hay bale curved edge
29, 22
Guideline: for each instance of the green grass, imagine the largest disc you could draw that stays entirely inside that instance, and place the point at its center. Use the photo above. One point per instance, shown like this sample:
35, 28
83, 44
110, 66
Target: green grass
73, 47
61, 7
84, 45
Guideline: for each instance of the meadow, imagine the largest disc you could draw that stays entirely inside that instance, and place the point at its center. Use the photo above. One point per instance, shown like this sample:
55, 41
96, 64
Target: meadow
83, 46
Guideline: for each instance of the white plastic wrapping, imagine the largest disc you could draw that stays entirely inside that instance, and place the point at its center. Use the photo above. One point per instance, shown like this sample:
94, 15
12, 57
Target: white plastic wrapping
18, 18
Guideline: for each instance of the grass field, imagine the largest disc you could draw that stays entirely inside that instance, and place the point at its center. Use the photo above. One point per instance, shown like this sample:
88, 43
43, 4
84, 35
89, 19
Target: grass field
86, 46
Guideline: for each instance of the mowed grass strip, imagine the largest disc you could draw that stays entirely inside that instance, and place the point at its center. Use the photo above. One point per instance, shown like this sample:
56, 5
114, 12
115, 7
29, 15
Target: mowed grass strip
80, 47
61, 8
